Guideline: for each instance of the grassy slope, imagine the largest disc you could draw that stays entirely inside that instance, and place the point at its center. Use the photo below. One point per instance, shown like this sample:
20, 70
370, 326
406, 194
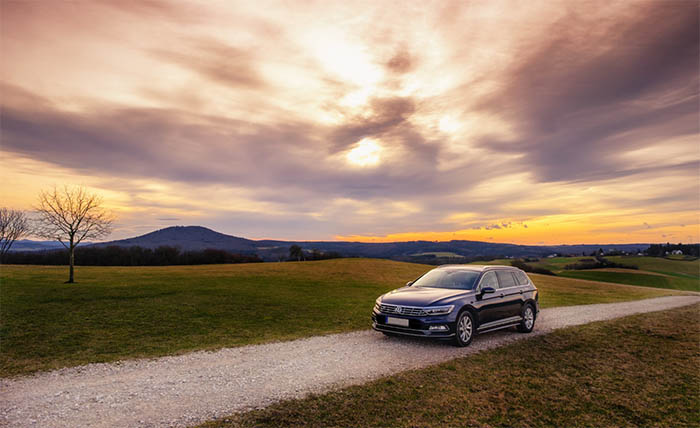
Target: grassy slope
681, 274
558, 291
687, 268
633, 278
124, 312
645, 376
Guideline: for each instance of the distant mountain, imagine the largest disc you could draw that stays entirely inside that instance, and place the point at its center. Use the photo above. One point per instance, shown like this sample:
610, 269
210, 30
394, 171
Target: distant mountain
29, 245
189, 238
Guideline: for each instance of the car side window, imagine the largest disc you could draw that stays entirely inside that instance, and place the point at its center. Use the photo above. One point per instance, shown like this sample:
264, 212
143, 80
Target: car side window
521, 277
489, 280
505, 279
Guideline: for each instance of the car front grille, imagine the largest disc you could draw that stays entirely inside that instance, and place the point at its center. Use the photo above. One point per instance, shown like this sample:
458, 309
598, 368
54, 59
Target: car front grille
402, 310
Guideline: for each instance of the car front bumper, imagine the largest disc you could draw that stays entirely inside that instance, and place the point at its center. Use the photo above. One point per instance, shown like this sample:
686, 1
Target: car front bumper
417, 326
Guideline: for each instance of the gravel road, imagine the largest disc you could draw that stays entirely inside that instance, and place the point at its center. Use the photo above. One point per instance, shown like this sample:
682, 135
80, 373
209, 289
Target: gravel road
188, 389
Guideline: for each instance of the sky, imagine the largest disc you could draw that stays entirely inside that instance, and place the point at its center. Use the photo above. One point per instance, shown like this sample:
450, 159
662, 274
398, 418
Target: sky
538, 122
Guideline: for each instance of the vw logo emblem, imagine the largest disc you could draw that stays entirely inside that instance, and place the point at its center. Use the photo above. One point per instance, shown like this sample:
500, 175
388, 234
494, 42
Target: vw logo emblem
399, 309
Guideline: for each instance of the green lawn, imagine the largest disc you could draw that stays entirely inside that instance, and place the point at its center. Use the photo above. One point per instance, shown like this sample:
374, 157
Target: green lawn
681, 268
124, 312
635, 371
679, 274
633, 278
560, 291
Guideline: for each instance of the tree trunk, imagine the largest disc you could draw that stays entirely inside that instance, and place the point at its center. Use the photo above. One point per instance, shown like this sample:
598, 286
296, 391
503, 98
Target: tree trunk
71, 252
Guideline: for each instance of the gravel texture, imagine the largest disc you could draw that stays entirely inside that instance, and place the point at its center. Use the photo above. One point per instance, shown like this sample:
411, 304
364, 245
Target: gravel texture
188, 389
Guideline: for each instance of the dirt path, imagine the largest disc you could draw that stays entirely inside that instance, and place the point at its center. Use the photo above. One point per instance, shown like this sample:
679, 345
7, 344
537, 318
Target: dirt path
188, 389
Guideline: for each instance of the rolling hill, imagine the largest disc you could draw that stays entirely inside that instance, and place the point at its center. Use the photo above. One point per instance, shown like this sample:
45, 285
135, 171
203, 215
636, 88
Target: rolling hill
189, 238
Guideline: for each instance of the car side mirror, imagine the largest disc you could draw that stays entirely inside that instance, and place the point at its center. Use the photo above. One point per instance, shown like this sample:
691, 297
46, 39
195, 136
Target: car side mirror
409, 283
488, 290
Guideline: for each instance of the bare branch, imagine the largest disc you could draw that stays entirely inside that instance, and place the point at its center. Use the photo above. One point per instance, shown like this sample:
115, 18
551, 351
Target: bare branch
13, 226
72, 212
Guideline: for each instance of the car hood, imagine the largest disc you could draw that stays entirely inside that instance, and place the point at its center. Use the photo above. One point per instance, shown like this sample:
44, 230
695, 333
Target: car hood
422, 296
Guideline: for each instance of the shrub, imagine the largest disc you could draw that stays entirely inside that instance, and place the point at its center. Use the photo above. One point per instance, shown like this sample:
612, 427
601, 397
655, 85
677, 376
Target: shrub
598, 263
529, 268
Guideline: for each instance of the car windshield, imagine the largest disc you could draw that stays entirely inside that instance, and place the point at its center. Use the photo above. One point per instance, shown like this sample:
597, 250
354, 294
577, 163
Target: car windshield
448, 278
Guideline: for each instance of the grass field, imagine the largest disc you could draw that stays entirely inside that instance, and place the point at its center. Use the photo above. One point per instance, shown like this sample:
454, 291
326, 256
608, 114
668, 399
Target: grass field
635, 371
677, 274
679, 267
124, 312
632, 277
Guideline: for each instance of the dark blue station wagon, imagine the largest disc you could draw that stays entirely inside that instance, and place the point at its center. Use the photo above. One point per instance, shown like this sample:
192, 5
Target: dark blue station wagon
458, 301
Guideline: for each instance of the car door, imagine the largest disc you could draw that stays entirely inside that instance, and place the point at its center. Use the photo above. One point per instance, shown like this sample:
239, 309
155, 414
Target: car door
510, 290
488, 305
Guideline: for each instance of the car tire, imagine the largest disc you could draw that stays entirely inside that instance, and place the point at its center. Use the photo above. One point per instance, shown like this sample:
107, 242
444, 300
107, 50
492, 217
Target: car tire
465, 329
528, 322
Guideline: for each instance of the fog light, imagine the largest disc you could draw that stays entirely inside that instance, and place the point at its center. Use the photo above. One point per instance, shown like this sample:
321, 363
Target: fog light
438, 327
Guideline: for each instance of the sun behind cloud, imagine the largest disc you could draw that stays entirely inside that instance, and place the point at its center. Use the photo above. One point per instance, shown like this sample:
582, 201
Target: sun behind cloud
365, 153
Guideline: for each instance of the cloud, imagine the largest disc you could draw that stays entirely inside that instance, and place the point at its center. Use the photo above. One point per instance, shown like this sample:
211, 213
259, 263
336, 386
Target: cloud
156, 10
485, 115
178, 146
578, 101
401, 62
218, 62
383, 116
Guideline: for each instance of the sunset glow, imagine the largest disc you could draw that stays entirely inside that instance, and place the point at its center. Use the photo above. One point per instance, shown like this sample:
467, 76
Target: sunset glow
542, 122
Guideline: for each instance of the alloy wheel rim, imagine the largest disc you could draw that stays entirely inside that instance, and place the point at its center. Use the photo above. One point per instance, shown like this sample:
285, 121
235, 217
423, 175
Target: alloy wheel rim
529, 318
465, 328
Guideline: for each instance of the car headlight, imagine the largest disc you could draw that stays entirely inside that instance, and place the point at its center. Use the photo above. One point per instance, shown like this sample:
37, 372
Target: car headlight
377, 303
439, 310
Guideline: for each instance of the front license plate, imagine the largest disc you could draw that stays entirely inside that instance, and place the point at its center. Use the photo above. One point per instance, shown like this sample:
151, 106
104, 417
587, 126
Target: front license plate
397, 321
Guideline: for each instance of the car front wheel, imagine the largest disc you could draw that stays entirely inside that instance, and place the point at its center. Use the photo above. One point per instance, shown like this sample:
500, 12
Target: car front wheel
528, 322
464, 332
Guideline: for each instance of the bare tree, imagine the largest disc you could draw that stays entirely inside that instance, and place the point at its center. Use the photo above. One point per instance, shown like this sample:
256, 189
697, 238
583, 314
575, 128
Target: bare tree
13, 226
71, 215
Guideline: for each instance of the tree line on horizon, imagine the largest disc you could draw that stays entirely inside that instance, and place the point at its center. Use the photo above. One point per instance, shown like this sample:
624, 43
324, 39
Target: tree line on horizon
113, 255
661, 250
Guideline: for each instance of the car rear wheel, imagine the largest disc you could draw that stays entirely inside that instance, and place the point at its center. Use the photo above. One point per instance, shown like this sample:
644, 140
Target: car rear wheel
464, 331
528, 322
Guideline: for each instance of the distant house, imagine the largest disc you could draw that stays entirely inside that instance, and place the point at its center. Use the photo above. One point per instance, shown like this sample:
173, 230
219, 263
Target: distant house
551, 256
677, 252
